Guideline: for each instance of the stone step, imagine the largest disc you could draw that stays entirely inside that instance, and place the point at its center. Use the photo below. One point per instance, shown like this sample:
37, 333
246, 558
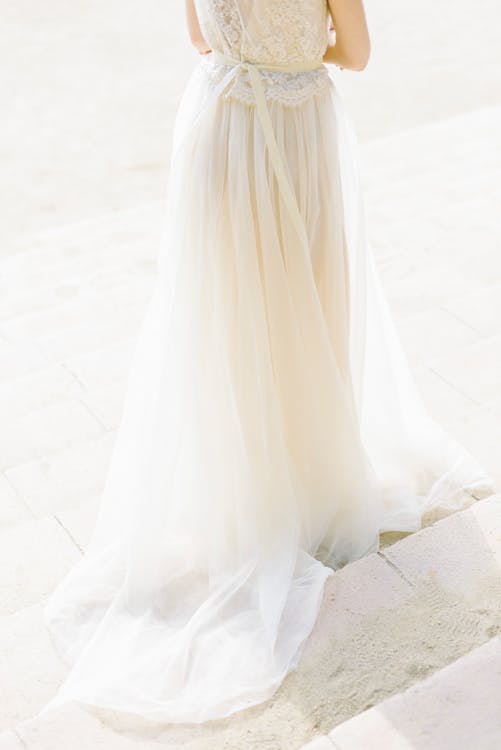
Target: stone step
457, 708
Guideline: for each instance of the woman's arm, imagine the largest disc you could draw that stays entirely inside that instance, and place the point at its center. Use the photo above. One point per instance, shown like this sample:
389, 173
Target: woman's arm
352, 46
196, 35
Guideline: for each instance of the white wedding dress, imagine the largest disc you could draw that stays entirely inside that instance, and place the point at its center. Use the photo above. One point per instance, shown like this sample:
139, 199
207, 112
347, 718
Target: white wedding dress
271, 427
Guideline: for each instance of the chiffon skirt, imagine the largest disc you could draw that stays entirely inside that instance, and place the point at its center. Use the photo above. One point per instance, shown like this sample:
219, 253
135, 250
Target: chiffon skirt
271, 427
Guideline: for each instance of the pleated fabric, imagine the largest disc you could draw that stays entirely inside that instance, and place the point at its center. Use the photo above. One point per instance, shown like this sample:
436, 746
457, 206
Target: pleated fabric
271, 427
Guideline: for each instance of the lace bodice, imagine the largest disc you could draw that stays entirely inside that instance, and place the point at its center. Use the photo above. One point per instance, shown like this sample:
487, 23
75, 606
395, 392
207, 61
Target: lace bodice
267, 31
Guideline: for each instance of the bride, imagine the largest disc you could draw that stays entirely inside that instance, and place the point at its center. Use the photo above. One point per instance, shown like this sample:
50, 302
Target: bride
271, 428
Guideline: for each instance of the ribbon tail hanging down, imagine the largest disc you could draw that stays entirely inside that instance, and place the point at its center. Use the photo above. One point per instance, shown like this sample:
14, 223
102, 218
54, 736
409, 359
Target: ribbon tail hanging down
276, 158
277, 161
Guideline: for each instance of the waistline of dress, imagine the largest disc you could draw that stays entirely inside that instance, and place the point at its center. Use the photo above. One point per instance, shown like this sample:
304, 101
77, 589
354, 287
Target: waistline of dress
287, 67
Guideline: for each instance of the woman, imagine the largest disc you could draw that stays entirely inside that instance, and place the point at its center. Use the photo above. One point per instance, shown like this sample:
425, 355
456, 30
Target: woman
271, 429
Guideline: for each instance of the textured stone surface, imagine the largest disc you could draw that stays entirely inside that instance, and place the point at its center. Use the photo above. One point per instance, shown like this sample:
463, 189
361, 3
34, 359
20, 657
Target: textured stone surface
457, 707
320, 743
106, 403
12, 508
103, 367
30, 670
433, 333
37, 390
461, 368
47, 430
72, 727
80, 521
63, 479
33, 557
356, 592
460, 553
18, 359
10, 741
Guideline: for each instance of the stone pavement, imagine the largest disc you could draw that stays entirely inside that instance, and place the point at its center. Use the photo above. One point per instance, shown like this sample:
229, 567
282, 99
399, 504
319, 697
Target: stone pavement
82, 198
456, 707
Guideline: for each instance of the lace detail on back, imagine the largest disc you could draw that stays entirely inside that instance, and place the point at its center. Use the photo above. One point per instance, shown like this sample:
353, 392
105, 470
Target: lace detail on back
267, 31
291, 89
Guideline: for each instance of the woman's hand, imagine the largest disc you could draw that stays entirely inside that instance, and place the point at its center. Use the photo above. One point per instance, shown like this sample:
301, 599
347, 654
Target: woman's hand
202, 47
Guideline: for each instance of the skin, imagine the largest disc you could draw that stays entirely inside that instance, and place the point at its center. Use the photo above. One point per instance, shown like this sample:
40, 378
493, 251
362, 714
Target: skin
196, 36
350, 47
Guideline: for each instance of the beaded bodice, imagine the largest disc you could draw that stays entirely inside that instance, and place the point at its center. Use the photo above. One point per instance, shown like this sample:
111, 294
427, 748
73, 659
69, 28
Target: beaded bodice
271, 32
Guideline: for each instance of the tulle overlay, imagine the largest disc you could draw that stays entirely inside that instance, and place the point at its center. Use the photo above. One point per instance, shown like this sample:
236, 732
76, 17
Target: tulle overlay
271, 428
